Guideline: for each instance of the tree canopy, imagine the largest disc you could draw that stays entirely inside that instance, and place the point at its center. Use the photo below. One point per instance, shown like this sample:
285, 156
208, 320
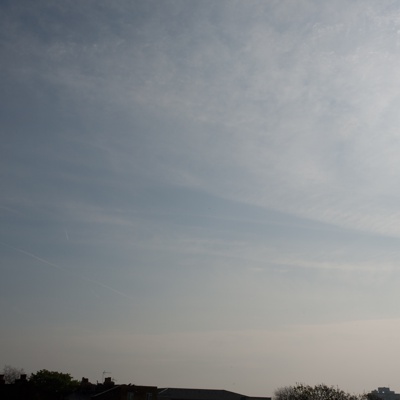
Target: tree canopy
11, 374
318, 392
53, 384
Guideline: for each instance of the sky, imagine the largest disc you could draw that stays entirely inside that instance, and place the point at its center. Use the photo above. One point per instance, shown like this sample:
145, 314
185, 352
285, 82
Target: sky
201, 194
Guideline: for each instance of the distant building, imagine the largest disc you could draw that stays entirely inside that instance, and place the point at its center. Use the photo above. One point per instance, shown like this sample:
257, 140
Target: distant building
20, 389
386, 394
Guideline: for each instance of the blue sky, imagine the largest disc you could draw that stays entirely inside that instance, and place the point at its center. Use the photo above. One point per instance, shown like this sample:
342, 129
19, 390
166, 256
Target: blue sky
201, 194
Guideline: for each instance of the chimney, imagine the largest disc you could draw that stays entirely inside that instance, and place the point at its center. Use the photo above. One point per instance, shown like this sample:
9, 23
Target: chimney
108, 382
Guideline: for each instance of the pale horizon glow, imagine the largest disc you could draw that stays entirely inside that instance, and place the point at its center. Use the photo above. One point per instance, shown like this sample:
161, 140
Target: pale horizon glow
201, 194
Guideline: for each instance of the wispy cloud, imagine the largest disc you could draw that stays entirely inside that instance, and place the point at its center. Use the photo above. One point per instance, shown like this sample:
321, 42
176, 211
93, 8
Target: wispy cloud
304, 123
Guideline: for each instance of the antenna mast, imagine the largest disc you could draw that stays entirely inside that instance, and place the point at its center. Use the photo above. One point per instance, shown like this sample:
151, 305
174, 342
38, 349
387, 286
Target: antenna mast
104, 372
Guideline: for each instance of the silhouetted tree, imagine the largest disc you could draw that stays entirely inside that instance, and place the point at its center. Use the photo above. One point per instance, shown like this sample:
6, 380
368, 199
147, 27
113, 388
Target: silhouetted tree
52, 384
12, 373
372, 396
318, 392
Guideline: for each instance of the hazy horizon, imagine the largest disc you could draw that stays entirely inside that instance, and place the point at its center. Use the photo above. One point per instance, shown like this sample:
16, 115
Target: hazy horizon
201, 193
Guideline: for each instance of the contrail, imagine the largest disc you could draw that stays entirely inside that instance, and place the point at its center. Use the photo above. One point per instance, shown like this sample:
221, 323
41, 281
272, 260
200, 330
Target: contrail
66, 235
32, 255
84, 278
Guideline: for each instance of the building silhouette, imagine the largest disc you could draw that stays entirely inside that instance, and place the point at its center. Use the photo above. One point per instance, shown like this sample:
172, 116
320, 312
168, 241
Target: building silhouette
385, 393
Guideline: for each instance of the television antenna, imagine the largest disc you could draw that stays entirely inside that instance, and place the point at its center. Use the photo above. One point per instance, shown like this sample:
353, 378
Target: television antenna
104, 373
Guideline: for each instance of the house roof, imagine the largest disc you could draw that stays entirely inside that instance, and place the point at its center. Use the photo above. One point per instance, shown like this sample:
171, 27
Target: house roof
113, 388
198, 394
